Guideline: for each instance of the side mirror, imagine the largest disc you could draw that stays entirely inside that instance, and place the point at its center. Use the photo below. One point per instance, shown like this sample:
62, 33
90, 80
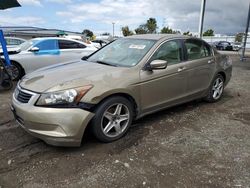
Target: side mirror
157, 65
34, 49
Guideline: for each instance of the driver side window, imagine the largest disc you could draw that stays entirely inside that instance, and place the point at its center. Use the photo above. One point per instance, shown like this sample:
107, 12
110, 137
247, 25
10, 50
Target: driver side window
169, 51
47, 45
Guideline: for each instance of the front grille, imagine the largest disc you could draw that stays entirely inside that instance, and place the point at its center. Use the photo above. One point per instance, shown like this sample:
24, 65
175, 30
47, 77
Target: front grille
22, 96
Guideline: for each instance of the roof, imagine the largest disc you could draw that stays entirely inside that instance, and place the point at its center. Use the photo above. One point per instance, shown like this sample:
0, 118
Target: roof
156, 36
35, 30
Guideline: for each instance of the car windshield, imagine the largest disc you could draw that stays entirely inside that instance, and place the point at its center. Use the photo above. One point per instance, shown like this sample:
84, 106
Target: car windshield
26, 45
123, 52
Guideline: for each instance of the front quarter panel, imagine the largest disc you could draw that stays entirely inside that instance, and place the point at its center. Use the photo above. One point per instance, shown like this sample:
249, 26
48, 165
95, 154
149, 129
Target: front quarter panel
114, 84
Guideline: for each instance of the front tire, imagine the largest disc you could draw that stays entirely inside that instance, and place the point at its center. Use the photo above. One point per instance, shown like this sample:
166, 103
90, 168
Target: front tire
112, 119
16, 71
216, 89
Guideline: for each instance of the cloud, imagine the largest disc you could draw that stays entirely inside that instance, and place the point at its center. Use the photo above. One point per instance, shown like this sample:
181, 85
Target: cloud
60, 1
65, 14
26, 20
108, 11
224, 16
30, 2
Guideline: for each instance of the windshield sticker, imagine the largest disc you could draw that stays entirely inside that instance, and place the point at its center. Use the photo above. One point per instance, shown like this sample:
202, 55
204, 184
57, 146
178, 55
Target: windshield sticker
139, 47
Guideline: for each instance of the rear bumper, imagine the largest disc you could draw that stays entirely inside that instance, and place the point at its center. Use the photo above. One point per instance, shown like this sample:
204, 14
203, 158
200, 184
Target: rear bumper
56, 126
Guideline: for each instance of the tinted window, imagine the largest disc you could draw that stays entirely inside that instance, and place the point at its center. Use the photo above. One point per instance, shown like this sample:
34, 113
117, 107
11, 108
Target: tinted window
169, 51
47, 45
196, 49
66, 44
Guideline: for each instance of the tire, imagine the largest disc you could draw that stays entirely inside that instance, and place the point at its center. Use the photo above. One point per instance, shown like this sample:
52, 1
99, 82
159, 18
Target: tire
16, 71
112, 119
216, 89
6, 85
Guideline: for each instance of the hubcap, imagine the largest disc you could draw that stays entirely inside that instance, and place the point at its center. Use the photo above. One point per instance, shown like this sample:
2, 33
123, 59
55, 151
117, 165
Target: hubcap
115, 120
218, 88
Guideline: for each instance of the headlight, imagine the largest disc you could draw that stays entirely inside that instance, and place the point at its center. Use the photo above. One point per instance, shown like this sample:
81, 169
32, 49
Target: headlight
69, 96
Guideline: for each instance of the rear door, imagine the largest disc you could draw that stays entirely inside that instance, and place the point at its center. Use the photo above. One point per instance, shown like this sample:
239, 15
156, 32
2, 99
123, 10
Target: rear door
161, 88
71, 50
200, 66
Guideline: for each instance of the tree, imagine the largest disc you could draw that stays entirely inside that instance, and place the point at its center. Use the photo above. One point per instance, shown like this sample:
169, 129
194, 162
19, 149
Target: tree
142, 29
126, 31
239, 37
208, 32
168, 30
151, 25
88, 33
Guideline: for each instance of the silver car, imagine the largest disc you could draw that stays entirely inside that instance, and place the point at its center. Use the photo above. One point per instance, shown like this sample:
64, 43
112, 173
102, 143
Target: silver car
41, 52
13, 41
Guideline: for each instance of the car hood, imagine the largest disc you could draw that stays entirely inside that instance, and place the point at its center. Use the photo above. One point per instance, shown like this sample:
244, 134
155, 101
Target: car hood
71, 75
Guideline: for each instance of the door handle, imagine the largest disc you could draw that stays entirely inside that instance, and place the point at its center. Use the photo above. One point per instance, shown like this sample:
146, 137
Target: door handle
181, 69
210, 61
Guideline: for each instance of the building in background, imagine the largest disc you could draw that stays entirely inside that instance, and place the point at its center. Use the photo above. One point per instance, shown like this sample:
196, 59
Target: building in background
34, 32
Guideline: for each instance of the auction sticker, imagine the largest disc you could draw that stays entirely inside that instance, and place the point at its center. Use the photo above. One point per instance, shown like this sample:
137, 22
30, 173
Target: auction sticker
139, 47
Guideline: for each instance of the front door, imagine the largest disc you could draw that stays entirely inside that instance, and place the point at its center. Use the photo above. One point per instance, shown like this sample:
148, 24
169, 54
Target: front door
48, 54
161, 88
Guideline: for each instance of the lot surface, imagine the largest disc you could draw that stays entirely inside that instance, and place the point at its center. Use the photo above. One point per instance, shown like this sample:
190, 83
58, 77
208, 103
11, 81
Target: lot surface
192, 145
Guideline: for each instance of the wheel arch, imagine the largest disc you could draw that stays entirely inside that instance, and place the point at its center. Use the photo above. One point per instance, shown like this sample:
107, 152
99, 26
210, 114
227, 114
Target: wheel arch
126, 96
223, 74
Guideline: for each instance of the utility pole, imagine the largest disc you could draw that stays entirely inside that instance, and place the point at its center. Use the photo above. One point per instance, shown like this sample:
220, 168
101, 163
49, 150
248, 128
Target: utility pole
113, 28
203, 6
245, 38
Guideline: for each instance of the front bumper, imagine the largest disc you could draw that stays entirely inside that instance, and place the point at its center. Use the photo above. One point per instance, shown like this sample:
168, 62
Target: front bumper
56, 126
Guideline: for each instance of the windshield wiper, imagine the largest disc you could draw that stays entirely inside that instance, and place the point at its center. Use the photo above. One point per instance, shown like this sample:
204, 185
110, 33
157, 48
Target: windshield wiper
105, 63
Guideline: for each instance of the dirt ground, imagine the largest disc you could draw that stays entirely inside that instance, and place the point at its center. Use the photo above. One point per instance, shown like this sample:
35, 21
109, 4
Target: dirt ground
192, 145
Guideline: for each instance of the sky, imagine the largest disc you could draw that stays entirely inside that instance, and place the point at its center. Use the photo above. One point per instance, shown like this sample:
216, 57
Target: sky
223, 16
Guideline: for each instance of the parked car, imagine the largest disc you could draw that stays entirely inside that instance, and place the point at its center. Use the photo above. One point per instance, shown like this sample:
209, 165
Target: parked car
125, 80
237, 46
12, 44
41, 52
14, 41
223, 45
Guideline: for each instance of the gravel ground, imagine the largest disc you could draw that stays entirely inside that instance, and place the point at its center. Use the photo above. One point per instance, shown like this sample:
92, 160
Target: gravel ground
192, 145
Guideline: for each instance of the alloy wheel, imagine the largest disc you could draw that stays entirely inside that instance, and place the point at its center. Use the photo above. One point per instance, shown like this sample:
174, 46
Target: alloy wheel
115, 120
218, 87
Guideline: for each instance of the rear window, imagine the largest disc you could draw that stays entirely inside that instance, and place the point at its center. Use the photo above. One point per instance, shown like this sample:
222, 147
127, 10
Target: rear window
66, 44
197, 49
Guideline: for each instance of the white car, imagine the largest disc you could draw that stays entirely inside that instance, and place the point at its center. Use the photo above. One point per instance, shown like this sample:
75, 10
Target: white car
13, 41
237, 46
12, 44
41, 52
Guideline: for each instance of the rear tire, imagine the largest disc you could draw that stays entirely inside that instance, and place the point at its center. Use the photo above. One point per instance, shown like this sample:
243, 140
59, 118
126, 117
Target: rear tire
216, 89
112, 119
